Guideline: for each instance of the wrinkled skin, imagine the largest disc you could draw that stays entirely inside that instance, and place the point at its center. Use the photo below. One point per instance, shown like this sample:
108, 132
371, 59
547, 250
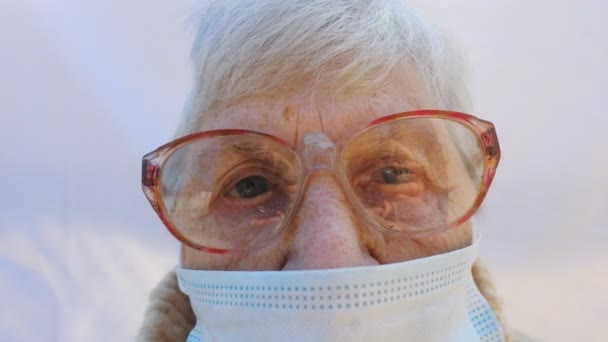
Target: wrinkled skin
326, 232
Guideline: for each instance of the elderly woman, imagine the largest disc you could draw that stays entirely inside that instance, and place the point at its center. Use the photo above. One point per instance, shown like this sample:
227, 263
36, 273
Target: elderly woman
323, 181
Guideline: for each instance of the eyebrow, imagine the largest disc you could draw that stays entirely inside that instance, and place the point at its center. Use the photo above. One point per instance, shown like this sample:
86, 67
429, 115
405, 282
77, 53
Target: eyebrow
259, 152
385, 148
246, 148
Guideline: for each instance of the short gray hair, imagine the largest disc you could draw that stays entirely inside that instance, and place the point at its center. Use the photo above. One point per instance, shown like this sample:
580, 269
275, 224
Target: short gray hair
246, 48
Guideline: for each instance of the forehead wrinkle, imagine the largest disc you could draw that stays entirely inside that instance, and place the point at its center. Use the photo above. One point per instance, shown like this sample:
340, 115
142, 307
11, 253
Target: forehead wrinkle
260, 114
290, 115
362, 110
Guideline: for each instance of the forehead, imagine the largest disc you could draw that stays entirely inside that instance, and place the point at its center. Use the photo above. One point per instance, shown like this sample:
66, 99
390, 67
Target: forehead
291, 116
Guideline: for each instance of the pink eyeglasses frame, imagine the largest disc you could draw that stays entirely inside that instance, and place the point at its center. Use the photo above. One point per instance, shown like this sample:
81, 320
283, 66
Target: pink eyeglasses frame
153, 162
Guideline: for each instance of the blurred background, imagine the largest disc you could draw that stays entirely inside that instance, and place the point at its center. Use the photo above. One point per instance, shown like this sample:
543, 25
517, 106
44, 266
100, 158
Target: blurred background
88, 87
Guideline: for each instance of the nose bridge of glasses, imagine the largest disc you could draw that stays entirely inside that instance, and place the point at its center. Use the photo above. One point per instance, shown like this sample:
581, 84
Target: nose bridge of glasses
318, 151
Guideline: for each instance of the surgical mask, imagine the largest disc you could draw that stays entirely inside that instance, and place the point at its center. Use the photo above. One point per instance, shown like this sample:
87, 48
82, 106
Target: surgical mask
428, 299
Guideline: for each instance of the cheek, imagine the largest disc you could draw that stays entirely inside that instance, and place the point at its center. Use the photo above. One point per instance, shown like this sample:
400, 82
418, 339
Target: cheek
399, 249
271, 257
197, 260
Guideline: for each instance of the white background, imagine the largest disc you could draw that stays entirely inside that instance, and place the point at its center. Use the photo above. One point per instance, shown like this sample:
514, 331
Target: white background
87, 87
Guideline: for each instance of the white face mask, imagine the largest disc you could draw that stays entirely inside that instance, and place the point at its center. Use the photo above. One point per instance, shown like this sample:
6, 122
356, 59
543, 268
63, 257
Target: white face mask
429, 299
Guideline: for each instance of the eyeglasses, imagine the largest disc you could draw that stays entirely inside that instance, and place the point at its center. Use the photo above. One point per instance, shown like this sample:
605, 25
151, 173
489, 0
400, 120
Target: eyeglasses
414, 173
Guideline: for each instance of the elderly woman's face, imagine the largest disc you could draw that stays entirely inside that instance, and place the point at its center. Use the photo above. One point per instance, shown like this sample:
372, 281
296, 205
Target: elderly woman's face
326, 230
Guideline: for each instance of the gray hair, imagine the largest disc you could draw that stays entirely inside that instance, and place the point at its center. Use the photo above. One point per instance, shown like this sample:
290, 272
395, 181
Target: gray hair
246, 48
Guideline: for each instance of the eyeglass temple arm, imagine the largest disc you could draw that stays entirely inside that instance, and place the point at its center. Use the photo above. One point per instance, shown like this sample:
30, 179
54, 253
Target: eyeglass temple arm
150, 169
149, 173
490, 144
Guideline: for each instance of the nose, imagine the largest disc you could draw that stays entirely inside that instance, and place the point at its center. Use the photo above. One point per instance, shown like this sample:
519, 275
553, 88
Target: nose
325, 232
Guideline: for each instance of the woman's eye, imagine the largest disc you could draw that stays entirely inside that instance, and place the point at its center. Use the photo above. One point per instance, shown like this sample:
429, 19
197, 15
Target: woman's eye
250, 187
393, 175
